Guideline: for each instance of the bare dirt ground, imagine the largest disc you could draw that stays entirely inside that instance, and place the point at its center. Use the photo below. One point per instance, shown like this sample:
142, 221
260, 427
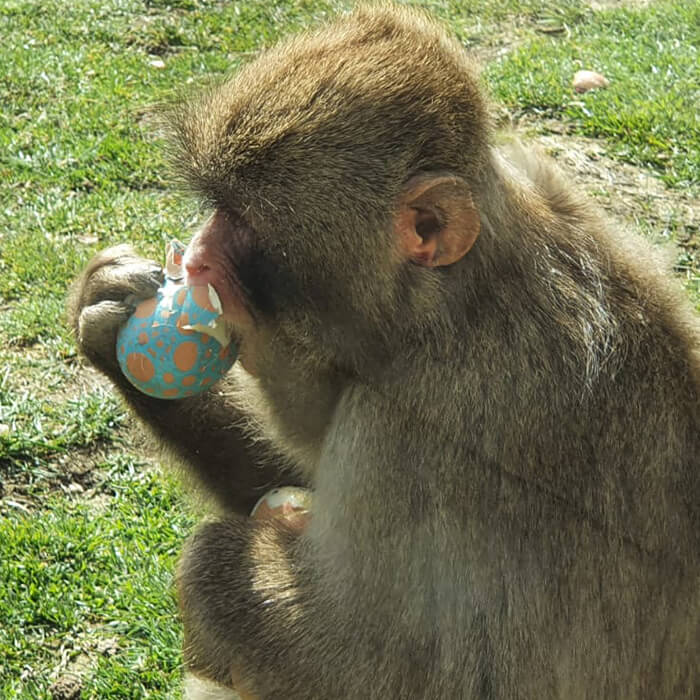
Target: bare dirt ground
629, 194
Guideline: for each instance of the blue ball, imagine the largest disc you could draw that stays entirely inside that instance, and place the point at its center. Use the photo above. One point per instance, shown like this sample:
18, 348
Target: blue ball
172, 346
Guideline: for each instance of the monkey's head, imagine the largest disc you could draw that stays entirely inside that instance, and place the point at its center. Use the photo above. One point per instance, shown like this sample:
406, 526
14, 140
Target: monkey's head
343, 168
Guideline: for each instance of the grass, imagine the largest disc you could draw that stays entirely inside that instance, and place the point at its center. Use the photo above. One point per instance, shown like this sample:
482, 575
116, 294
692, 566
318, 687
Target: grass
89, 530
40, 428
649, 113
82, 576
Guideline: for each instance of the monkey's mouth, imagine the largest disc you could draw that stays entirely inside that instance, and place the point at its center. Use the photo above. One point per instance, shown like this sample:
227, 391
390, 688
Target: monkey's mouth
235, 311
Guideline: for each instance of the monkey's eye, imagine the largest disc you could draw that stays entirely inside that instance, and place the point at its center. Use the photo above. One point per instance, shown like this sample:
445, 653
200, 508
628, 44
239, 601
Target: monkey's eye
427, 223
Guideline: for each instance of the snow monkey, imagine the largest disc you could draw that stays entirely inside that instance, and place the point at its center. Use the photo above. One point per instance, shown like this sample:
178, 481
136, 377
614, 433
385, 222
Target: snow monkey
492, 393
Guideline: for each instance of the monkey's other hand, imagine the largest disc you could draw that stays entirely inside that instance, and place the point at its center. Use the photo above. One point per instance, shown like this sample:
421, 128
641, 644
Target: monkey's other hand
207, 578
229, 614
104, 297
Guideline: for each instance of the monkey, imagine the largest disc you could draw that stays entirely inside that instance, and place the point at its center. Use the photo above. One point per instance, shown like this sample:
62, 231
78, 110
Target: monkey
492, 392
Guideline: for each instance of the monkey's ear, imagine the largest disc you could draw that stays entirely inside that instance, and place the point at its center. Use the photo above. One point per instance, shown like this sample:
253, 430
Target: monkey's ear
437, 221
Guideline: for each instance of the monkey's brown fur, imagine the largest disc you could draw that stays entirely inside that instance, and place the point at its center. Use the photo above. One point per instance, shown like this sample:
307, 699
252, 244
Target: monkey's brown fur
504, 450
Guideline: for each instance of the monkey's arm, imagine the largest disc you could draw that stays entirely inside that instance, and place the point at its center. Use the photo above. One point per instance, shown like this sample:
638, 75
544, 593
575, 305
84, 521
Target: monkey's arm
207, 431
261, 617
209, 436
345, 610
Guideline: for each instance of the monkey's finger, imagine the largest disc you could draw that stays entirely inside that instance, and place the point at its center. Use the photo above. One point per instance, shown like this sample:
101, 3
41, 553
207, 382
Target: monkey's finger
118, 274
134, 280
97, 330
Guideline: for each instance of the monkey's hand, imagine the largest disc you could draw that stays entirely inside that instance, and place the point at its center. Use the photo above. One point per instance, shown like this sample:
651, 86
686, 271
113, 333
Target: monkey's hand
233, 625
259, 619
103, 299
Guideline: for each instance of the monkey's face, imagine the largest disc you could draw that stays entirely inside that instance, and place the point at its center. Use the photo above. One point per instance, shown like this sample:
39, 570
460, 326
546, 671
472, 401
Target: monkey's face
277, 291
310, 159
269, 300
226, 254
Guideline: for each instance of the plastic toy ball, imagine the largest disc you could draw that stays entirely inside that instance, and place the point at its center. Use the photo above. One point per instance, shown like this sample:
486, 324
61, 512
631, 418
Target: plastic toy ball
176, 344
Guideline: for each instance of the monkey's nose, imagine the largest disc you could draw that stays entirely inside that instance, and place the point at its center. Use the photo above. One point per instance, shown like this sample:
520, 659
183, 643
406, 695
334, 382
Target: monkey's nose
196, 270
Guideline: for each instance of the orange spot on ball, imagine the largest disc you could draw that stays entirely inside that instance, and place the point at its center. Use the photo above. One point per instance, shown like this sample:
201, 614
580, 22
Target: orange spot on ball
146, 308
171, 392
143, 338
159, 343
152, 352
205, 381
168, 378
140, 367
200, 296
189, 380
207, 354
204, 338
223, 353
185, 356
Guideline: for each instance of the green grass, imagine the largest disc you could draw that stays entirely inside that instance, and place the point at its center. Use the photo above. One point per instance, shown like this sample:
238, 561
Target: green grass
88, 572
649, 113
39, 428
88, 531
